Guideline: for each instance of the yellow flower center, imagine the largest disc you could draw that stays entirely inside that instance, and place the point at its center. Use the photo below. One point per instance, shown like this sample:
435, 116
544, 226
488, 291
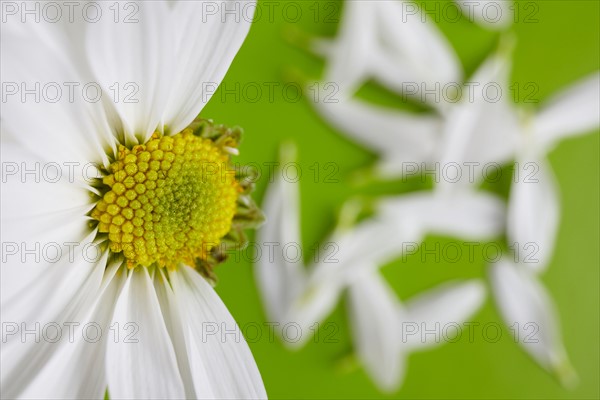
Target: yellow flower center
170, 201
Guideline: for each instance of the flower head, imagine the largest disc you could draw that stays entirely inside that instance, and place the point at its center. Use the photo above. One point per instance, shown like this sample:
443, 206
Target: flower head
145, 185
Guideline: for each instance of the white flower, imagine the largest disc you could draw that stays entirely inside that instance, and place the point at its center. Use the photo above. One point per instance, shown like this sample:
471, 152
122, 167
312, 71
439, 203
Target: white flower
148, 335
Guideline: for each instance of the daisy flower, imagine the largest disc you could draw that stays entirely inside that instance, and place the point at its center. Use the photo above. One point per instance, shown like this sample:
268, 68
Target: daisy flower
141, 205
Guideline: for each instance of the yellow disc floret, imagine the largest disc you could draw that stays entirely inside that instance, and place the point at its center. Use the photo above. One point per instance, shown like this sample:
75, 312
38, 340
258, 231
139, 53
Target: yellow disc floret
169, 201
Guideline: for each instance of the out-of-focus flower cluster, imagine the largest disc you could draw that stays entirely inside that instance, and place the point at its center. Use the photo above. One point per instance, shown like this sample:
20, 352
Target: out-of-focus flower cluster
470, 127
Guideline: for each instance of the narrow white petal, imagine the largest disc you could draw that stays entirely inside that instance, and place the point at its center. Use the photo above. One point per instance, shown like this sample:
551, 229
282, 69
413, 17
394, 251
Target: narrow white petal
205, 44
467, 214
396, 228
533, 213
349, 62
280, 278
395, 135
442, 310
69, 127
573, 111
376, 330
82, 356
528, 311
63, 293
414, 43
42, 219
175, 325
490, 14
143, 364
482, 129
130, 59
221, 363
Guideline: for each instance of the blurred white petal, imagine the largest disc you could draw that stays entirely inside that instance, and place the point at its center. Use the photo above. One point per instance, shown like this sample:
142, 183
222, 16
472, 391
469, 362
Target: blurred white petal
490, 14
413, 42
382, 40
573, 111
399, 137
467, 214
375, 331
340, 263
482, 129
528, 312
220, 360
443, 310
349, 61
279, 278
396, 227
533, 213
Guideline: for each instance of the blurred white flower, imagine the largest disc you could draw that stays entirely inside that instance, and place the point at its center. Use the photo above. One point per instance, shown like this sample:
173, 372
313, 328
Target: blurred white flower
149, 336
305, 296
480, 131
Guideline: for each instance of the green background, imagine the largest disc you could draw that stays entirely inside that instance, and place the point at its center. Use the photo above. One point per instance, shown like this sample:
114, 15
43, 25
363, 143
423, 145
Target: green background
562, 46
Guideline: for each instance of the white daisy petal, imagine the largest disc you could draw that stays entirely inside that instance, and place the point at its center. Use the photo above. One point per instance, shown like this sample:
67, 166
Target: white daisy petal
130, 59
443, 310
280, 278
528, 311
414, 43
482, 129
69, 128
573, 111
533, 213
221, 363
349, 62
376, 333
394, 230
204, 51
399, 136
78, 279
170, 310
466, 214
143, 364
83, 356
490, 14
